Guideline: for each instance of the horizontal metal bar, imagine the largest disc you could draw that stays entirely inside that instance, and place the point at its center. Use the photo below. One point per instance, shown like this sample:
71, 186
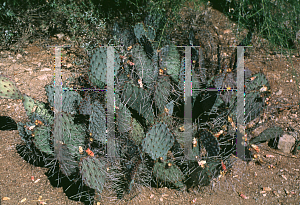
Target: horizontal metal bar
84, 89
240, 46
213, 89
188, 46
60, 46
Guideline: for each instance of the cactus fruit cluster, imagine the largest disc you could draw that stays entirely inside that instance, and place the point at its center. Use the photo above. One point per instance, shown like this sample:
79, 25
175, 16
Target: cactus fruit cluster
149, 138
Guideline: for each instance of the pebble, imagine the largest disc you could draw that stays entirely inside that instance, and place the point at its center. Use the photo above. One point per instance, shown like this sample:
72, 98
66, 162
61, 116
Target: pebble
19, 56
278, 92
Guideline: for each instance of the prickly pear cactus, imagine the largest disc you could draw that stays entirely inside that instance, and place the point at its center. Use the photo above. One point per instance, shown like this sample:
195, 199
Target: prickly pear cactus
143, 65
42, 139
97, 125
170, 61
168, 172
158, 141
257, 89
8, 89
98, 67
36, 108
149, 135
267, 134
93, 171
209, 143
140, 100
123, 116
136, 132
140, 30
68, 150
70, 99
162, 93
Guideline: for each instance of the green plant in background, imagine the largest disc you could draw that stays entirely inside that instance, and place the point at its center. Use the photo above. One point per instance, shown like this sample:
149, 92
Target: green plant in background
277, 21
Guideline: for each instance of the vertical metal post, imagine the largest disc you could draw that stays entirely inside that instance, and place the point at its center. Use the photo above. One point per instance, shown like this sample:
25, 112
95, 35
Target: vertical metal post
57, 100
240, 149
57, 132
188, 105
111, 150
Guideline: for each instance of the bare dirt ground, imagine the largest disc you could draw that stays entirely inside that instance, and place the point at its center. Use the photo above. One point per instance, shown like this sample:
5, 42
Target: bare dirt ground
275, 180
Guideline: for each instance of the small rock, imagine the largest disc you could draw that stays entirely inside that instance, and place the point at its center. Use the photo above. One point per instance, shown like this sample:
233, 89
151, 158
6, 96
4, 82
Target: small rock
60, 35
286, 142
19, 56
278, 92
43, 77
275, 193
46, 69
69, 65
227, 31
267, 189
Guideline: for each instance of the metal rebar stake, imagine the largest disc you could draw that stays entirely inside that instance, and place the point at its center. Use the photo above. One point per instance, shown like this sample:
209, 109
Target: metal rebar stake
57, 132
188, 105
240, 150
240, 138
111, 150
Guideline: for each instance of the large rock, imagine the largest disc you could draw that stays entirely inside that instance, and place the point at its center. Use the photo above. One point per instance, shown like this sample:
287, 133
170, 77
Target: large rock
286, 142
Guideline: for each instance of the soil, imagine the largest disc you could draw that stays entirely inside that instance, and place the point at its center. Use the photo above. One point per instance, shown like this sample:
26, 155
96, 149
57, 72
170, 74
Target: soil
268, 180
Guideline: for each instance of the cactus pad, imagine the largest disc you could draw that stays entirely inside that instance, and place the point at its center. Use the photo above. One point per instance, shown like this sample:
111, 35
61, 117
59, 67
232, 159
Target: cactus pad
137, 132
209, 142
144, 66
168, 172
162, 93
8, 89
148, 32
267, 134
42, 139
158, 141
93, 172
97, 125
170, 60
140, 100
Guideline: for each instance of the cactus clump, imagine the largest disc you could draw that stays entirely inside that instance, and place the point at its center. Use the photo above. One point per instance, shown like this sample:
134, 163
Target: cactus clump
149, 136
